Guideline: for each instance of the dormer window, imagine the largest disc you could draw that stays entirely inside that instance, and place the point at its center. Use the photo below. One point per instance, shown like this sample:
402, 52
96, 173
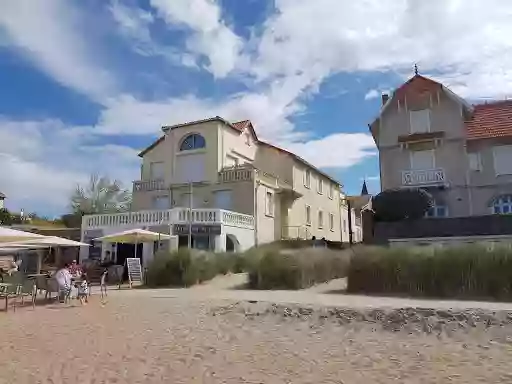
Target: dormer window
193, 141
248, 137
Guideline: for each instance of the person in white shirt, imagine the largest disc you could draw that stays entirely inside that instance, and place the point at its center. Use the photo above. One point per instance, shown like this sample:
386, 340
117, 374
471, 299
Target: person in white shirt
63, 277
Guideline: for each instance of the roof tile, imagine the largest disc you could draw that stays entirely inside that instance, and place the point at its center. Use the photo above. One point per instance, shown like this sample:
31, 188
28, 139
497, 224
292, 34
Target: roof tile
490, 121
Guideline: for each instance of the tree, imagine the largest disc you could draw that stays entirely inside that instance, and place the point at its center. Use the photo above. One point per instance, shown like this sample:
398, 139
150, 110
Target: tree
5, 217
100, 195
400, 204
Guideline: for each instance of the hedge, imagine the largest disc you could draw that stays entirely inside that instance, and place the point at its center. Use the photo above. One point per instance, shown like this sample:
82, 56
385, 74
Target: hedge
458, 272
295, 269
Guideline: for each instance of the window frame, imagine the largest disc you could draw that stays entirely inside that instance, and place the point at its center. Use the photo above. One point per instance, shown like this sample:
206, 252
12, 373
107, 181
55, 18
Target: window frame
429, 124
494, 150
308, 214
320, 186
331, 222
330, 193
435, 209
411, 162
307, 178
320, 218
476, 156
507, 204
194, 147
269, 208
151, 165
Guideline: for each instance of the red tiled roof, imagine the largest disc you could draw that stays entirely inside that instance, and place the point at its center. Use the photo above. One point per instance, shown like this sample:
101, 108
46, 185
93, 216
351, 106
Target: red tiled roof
490, 120
241, 125
417, 85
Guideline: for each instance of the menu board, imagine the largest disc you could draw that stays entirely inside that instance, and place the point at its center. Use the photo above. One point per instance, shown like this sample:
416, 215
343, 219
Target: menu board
134, 270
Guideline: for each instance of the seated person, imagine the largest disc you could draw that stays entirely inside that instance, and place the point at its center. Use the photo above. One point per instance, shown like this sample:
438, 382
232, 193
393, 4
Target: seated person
75, 269
63, 277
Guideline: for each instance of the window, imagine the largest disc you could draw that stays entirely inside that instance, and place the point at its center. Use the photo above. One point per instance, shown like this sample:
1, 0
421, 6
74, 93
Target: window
331, 191
320, 219
437, 211
503, 160
156, 171
502, 205
344, 225
422, 160
248, 138
420, 121
161, 202
269, 204
222, 199
190, 168
475, 162
193, 141
307, 178
320, 186
308, 215
196, 200
331, 221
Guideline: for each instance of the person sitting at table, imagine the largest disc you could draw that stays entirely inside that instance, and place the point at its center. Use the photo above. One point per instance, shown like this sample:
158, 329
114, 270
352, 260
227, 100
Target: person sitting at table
63, 277
75, 269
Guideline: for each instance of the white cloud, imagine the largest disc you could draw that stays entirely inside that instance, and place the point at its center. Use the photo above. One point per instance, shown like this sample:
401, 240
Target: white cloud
42, 161
372, 94
51, 34
339, 150
318, 38
210, 36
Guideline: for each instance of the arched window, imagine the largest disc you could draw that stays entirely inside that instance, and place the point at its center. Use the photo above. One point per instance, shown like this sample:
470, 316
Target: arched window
502, 204
193, 141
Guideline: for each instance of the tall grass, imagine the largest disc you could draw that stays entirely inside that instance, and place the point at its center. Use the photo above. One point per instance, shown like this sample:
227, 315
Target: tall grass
184, 268
458, 272
294, 269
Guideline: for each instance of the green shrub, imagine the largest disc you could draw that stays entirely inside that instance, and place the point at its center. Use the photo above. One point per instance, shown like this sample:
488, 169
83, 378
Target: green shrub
294, 269
184, 268
456, 272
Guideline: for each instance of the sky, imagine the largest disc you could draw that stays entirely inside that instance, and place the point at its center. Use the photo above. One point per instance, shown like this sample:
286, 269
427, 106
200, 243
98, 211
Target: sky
85, 85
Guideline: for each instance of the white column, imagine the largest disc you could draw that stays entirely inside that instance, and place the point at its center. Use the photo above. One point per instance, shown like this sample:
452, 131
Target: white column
147, 253
220, 243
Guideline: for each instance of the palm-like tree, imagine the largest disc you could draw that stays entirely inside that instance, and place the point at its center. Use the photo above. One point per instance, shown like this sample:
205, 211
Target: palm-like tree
101, 195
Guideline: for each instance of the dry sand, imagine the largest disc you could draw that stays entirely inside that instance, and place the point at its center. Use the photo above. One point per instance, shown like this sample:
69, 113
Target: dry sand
133, 339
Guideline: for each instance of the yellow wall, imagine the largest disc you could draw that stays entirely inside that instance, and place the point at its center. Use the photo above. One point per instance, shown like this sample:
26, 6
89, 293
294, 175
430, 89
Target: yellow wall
223, 141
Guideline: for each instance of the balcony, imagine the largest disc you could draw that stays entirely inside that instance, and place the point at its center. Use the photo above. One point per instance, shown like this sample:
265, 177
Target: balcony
149, 185
167, 217
236, 174
424, 178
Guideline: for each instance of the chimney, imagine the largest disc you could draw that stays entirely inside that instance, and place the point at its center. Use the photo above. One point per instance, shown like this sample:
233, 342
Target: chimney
385, 98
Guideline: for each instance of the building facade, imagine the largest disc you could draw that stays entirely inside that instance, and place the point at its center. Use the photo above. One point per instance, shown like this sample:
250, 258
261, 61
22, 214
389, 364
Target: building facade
2, 200
429, 137
230, 188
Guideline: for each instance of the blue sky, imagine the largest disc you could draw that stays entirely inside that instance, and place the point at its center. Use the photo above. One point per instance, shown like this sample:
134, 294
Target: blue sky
85, 85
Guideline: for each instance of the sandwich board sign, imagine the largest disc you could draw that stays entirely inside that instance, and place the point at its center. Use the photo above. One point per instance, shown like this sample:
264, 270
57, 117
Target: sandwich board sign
134, 270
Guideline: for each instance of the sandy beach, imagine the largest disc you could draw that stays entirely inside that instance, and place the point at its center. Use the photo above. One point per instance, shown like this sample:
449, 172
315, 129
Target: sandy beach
137, 339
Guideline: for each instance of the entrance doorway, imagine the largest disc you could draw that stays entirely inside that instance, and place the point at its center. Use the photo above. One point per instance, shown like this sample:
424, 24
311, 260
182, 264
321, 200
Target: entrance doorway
125, 251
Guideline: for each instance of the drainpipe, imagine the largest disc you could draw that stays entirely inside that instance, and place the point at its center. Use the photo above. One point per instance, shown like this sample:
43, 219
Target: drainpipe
350, 236
256, 185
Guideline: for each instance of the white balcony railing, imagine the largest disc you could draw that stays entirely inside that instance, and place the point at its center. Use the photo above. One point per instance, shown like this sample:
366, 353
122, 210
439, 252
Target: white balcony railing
167, 217
235, 174
149, 185
423, 177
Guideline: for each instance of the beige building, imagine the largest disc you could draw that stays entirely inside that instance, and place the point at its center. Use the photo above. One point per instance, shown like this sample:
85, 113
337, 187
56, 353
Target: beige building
242, 191
429, 137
